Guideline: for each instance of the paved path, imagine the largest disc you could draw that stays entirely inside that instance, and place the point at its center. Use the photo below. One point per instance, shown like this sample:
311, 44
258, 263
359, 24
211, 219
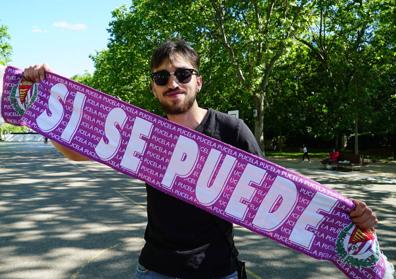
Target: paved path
62, 219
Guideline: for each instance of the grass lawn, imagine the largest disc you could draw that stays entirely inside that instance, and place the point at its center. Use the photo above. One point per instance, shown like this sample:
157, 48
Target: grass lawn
372, 156
295, 155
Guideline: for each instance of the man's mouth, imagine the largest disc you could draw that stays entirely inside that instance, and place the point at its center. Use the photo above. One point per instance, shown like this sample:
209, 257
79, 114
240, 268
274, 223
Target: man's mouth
173, 93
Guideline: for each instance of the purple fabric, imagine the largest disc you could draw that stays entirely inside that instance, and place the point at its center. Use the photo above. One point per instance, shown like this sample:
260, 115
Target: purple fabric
223, 180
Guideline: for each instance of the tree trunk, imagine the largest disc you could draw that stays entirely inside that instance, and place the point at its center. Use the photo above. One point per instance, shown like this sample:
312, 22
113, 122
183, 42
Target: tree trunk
356, 137
344, 142
259, 121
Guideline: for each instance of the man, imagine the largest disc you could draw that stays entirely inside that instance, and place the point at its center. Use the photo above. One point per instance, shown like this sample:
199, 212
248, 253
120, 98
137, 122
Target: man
305, 153
183, 241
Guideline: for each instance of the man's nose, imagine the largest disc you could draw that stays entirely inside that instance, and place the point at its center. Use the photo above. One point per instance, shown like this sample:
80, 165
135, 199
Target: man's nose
172, 82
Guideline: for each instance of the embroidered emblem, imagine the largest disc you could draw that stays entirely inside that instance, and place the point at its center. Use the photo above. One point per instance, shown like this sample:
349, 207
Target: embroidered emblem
23, 95
358, 248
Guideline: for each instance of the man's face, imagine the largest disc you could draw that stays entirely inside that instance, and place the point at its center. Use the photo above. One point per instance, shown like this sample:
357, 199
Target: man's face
176, 97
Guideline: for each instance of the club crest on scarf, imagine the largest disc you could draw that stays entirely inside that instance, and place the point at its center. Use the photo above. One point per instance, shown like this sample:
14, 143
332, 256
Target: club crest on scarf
23, 95
358, 248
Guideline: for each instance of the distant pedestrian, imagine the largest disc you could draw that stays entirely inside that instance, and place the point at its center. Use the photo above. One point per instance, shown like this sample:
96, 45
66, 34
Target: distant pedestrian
305, 155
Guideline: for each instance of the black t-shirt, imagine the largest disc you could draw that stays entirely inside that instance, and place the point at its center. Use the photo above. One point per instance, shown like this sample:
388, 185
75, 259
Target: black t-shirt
183, 240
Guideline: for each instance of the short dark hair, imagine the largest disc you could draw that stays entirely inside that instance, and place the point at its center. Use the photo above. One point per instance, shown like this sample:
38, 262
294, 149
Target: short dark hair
171, 47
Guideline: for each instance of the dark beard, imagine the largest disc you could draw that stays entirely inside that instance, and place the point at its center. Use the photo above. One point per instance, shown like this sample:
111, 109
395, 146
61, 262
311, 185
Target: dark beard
180, 109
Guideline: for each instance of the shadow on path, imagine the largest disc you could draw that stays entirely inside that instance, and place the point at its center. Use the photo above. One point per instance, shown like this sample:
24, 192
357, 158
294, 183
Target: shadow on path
60, 219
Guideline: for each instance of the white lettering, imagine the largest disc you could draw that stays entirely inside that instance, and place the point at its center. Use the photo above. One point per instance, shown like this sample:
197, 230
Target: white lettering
244, 191
311, 217
75, 118
136, 145
182, 162
49, 119
111, 140
208, 194
277, 205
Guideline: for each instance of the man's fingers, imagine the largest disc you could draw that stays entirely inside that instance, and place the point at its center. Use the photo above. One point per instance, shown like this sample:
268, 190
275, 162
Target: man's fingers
30, 73
26, 73
41, 73
359, 209
36, 73
363, 216
366, 224
366, 217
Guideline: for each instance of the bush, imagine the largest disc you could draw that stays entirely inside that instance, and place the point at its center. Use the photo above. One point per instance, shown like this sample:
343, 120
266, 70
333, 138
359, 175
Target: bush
8, 128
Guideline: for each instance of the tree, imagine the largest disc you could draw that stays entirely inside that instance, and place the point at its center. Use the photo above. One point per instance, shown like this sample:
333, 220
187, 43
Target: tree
384, 101
5, 47
240, 43
342, 42
256, 35
85, 78
322, 85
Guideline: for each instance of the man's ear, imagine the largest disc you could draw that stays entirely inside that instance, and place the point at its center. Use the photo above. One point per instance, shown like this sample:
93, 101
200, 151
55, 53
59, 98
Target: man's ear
199, 83
152, 89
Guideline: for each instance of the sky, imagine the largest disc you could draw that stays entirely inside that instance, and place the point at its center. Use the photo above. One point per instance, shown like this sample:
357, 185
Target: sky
61, 33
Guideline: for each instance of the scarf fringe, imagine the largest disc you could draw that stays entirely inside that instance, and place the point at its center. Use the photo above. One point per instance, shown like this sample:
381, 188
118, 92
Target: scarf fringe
389, 269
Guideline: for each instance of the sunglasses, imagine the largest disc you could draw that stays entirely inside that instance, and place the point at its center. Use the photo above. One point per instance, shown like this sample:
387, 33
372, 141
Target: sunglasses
182, 75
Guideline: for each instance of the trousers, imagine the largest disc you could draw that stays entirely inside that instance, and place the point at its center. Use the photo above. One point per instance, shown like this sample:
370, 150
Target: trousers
144, 273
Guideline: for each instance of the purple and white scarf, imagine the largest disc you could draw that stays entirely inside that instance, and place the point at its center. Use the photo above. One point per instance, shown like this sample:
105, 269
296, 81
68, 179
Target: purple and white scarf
227, 182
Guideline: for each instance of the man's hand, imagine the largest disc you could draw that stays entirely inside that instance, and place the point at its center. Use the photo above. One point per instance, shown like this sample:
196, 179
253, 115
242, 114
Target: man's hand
362, 216
36, 73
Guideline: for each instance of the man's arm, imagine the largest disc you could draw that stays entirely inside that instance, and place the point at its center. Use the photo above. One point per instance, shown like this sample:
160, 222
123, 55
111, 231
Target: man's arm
68, 153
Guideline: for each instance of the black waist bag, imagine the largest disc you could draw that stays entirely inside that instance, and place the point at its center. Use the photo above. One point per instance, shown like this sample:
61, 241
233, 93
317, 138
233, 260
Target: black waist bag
241, 268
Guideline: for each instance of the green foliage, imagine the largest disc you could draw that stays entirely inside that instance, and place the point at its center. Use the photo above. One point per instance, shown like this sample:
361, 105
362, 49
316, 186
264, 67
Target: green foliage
5, 47
311, 68
346, 49
6, 128
85, 78
239, 41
